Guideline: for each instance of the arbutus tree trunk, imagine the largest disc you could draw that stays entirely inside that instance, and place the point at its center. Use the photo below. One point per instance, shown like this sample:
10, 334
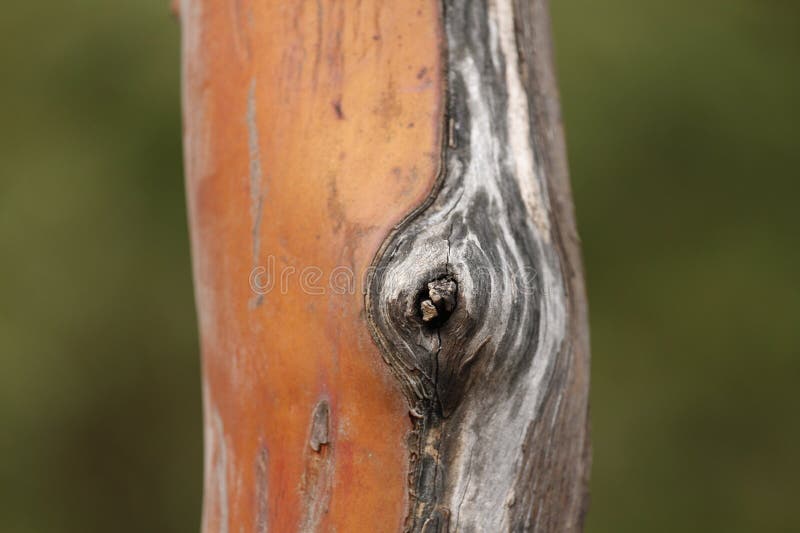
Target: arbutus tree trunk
387, 271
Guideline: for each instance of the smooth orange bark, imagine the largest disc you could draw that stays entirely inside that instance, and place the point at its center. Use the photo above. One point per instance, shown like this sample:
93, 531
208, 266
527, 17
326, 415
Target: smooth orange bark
311, 128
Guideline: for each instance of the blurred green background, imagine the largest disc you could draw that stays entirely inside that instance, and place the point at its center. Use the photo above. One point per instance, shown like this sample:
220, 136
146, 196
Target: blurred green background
682, 123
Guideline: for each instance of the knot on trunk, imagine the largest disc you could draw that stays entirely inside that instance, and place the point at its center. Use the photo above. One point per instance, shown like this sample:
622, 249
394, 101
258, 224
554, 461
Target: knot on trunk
438, 301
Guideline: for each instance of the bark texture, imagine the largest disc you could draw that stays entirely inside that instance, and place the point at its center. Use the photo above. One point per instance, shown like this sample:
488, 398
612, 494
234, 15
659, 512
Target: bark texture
416, 145
497, 375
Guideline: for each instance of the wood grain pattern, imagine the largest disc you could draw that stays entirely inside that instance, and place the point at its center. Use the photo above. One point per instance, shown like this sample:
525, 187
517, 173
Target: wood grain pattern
498, 389
311, 129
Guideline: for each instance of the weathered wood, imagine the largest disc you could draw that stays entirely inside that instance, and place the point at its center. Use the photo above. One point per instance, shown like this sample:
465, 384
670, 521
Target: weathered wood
420, 141
497, 389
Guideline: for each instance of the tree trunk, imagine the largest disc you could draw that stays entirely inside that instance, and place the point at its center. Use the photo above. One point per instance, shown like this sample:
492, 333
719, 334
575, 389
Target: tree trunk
387, 272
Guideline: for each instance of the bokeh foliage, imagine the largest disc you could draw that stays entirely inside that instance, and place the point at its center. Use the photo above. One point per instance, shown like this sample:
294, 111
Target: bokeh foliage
682, 126
682, 122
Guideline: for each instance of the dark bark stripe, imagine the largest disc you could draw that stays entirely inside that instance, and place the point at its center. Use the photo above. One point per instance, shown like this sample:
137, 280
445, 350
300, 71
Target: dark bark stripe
490, 370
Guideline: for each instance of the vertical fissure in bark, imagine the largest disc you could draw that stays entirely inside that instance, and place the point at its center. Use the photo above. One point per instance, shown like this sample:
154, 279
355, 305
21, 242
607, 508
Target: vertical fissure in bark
491, 352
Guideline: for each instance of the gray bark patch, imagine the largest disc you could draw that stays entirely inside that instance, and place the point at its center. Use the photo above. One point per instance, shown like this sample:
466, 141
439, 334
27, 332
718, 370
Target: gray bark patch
469, 301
